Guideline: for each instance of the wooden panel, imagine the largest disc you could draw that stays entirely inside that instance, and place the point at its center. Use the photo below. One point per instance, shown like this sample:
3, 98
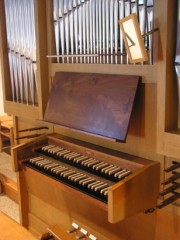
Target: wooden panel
95, 103
167, 101
155, 226
32, 176
9, 187
10, 190
18, 151
19, 109
42, 62
168, 226
23, 200
147, 72
172, 144
135, 195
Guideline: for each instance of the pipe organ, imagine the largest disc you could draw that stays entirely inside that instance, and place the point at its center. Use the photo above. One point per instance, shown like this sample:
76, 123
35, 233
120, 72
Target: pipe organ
85, 31
118, 185
88, 30
105, 116
21, 39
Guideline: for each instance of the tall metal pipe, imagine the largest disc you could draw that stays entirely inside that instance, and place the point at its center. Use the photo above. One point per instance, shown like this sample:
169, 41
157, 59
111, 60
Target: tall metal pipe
91, 27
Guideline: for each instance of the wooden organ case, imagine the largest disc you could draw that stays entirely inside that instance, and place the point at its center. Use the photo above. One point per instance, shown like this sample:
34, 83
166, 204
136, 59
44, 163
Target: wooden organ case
65, 180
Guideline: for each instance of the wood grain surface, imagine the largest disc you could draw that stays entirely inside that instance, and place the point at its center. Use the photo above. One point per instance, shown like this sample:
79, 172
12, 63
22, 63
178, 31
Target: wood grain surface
100, 104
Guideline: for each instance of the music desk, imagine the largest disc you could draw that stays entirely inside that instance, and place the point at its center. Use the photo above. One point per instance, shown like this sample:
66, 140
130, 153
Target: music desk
9, 229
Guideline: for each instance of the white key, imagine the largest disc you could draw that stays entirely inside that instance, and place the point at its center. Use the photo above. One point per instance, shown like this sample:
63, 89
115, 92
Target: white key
100, 187
55, 168
40, 163
101, 166
61, 153
63, 169
74, 176
32, 160
121, 171
108, 167
71, 155
88, 161
84, 180
96, 185
91, 184
67, 173
49, 166
80, 159
114, 171
88, 181
45, 148
55, 150
80, 178
66, 155
95, 161
124, 174
74, 156
104, 190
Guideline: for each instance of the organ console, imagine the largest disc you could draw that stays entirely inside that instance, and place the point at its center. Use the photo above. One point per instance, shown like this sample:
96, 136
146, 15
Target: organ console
120, 184
113, 181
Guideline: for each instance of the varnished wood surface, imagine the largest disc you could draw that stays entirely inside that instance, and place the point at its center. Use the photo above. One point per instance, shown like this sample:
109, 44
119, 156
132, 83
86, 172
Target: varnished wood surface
135, 195
9, 229
167, 87
100, 104
6, 130
9, 187
5, 118
41, 51
63, 211
19, 109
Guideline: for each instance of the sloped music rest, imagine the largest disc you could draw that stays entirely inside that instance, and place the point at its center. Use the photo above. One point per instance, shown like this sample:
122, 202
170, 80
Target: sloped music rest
94, 103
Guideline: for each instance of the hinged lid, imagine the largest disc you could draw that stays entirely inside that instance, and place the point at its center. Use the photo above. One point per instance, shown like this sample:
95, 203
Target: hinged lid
99, 104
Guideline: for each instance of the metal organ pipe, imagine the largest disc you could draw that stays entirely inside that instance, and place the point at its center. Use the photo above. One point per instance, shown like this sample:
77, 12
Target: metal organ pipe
86, 31
20, 26
91, 27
